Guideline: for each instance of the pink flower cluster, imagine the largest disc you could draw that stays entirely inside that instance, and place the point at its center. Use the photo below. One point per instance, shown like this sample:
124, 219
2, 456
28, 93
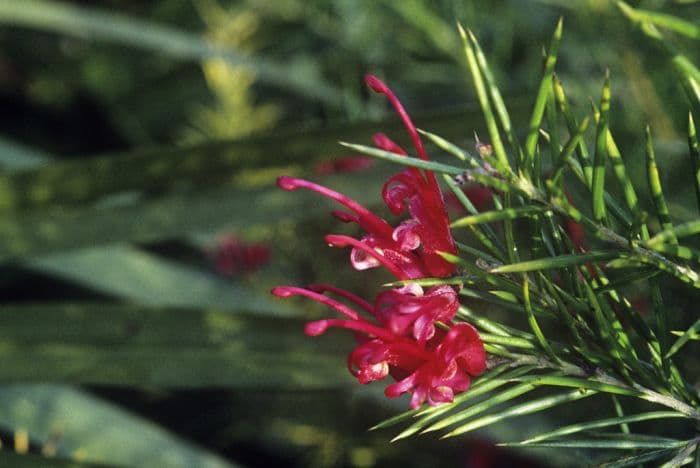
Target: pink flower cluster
400, 334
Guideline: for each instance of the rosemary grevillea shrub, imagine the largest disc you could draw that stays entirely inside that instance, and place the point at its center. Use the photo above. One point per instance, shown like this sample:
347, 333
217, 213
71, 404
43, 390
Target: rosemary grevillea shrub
401, 340
579, 333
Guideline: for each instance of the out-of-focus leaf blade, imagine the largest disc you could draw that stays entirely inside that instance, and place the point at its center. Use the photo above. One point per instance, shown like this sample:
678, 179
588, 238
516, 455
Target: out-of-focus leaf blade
59, 230
146, 279
109, 26
101, 431
204, 165
163, 347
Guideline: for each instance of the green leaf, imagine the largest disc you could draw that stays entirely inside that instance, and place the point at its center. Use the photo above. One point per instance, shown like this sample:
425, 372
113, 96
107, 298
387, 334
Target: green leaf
198, 167
601, 154
404, 160
568, 150
16, 156
36, 233
690, 333
103, 25
145, 279
450, 148
681, 456
482, 95
532, 406
481, 407
612, 444
532, 321
657, 194
163, 347
694, 154
555, 262
672, 23
495, 94
485, 383
586, 426
636, 460
500, 215
541, 99
675, 232
98, 430
580, 383
15, 460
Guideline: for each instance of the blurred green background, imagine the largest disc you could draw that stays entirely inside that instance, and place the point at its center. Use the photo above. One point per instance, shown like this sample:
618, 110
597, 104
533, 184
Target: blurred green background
140, 229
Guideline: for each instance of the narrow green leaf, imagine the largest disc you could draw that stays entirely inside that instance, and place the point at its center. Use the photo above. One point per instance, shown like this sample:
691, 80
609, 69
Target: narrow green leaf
636, 460
581, 383
568, 150
523, 409
556, 262
670, 22
694, 154
487, 325
541, 100
655, 188
532, 321
481, 407
485, 234
450, 148
601, 154
476, 252
482, 384
495, 94
620, 171
586, 171
681, 456
586, 426
613, 444
487, 382
690, 333
404, 160
492, 216
669, 234
99, 24
482, 95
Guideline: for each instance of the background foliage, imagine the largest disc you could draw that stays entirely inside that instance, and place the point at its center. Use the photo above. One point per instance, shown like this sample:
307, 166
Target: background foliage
133, 135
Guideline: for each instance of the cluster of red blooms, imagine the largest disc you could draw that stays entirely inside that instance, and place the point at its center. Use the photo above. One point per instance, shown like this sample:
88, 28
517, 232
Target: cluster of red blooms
400, 334
233, 256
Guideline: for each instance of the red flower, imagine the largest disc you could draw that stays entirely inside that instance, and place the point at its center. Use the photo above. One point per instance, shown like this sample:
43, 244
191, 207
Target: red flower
345, 164
431, 369
411, 250
233, 256
408, 311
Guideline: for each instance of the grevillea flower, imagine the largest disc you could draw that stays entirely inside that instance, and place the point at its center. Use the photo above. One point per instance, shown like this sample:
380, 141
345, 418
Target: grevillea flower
232, 255
433, 369
410, 250
409, 311
345, 164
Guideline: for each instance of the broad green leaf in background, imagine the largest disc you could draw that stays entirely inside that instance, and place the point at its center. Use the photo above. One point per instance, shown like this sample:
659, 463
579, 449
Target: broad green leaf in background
143, 278
104, 25
213, 163
125, 345
93, 430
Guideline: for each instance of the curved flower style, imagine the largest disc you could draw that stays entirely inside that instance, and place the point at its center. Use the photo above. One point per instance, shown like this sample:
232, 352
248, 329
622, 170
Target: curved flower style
409, 311
434, 368
410, 250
